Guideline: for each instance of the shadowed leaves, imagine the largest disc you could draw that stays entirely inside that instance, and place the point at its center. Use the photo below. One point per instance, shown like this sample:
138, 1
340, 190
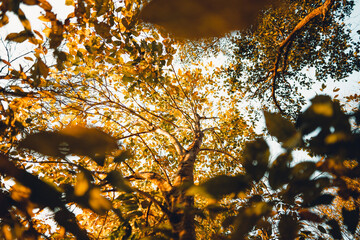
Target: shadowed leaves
220, 186
256, 157
203, 18
78, 140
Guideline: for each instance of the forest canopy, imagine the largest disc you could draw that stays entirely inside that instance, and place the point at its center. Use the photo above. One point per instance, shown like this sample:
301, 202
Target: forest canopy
115, 124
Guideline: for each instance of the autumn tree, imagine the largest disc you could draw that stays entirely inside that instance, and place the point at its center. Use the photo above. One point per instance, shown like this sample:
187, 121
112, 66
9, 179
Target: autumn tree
164, 129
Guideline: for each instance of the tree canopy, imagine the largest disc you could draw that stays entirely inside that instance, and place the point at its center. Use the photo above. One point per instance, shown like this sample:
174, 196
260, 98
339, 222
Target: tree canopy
104, 135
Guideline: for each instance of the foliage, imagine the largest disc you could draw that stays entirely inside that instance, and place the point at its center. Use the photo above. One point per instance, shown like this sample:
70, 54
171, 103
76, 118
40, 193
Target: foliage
295, 46
109, 139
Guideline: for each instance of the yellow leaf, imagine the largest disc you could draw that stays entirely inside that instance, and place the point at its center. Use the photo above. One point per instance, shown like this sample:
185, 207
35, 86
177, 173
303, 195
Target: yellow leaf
335, 137
44, 19
4, 20
82, 185
47, 31
45, 5
20, 193
30, 2
324, 109
69, 2
98, 203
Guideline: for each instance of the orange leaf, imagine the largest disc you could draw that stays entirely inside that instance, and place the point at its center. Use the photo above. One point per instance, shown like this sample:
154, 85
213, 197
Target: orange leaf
6, 62
18, 37
43, 68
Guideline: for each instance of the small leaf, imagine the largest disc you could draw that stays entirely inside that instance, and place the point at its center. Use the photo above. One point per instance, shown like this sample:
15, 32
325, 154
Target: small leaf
19, 37
351, 219
103, 30
29, 58
101, 7
321, 229
6, 62
4, 20
43, 68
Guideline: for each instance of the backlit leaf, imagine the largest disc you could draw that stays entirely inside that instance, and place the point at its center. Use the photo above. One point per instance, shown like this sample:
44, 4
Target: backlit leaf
98, 203
82, 184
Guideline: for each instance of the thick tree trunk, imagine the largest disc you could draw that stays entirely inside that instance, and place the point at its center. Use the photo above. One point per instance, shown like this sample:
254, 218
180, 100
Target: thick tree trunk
182, 219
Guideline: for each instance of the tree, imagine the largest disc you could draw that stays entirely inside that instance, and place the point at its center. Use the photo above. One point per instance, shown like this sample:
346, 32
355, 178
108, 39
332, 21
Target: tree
162, 130
311, 43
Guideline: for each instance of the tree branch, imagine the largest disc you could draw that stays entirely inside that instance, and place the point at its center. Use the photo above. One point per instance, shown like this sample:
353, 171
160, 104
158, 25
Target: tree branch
155, 178
219, 151
179, 148
322, 10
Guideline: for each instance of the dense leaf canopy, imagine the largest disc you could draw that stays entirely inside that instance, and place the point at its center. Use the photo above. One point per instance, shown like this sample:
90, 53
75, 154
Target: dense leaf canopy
105, 135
